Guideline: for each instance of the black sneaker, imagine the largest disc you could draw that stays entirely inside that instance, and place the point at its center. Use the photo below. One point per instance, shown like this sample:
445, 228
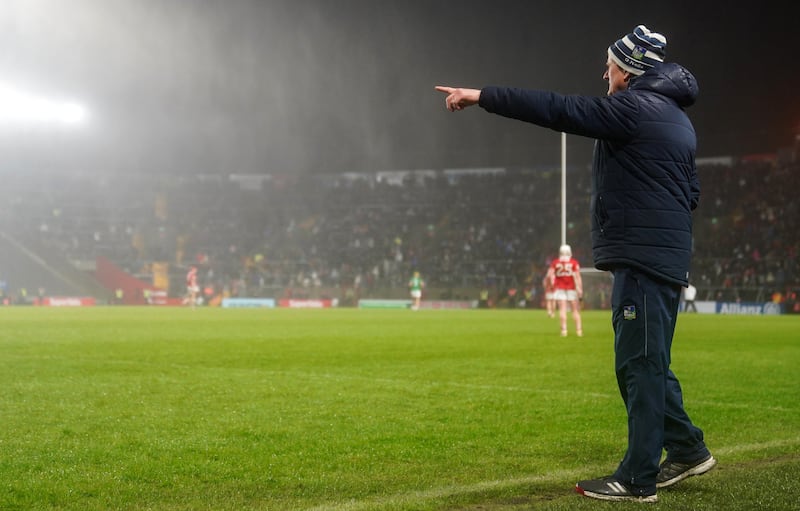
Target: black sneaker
609, 488
672, 472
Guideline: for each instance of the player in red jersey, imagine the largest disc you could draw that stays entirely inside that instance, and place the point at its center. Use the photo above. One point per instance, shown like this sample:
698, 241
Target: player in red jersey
565, 275
192, 288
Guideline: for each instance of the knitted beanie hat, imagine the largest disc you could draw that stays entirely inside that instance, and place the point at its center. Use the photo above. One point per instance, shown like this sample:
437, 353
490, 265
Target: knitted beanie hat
639, 51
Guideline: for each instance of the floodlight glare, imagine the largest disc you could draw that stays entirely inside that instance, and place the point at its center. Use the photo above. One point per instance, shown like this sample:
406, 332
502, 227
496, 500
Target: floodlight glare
18, 107
72, 113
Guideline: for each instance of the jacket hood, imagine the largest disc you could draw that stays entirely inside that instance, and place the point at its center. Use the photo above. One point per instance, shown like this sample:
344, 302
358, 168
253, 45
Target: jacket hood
671, 80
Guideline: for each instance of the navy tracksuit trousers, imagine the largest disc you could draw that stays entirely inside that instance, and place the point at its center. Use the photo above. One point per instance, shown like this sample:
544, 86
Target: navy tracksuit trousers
645, 311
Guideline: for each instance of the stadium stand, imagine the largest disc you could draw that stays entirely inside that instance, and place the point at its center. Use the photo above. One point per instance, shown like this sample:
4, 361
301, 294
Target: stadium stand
360, 235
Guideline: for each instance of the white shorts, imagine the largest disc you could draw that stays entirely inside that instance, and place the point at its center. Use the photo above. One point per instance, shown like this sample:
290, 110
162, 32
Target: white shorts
569, 295
416, 293
193, 289
550, 296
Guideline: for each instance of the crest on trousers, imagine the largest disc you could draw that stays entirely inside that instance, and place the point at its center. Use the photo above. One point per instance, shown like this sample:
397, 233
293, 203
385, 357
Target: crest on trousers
628, 312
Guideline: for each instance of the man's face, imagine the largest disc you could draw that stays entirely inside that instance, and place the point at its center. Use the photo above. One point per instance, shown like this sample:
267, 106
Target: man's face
617, 78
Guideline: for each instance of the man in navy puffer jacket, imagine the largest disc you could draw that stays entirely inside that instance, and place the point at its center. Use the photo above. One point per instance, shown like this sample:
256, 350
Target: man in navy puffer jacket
645, 187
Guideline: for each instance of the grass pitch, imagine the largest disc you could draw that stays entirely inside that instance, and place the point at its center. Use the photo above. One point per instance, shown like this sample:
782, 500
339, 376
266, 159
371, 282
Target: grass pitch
175, 409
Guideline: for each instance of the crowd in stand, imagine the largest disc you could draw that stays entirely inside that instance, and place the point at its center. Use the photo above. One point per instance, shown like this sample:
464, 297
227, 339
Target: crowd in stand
365, 233
747, 232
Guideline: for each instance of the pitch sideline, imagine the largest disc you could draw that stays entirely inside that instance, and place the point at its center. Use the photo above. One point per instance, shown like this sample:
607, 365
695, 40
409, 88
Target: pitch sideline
416, 497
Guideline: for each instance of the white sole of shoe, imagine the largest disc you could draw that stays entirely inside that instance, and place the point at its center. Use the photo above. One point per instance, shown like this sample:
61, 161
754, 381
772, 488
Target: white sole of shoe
694, 471
617, 498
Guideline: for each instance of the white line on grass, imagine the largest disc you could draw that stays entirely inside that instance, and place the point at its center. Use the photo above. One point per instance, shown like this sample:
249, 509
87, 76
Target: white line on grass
745, 406
736, 449
417, 497
430, 384
420, 496
505, 388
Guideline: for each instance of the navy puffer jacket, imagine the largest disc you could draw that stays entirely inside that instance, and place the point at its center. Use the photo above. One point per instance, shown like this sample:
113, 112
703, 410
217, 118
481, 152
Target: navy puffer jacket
644, 177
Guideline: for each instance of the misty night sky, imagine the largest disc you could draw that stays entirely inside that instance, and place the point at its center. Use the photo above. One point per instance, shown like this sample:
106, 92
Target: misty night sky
289, 86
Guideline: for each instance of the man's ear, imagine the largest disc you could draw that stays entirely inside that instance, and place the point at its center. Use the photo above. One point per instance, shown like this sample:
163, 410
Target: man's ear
627, 77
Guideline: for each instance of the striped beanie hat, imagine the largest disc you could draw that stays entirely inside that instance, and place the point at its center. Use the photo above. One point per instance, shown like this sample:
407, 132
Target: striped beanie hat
639, 51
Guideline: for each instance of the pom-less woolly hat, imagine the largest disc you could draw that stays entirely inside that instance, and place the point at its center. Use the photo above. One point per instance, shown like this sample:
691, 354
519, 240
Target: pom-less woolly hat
639, 51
